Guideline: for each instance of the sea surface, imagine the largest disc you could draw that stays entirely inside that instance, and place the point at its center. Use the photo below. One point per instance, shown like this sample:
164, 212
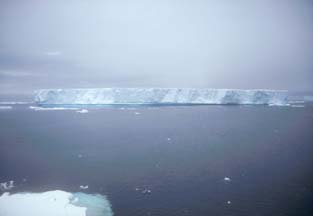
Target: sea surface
166, 161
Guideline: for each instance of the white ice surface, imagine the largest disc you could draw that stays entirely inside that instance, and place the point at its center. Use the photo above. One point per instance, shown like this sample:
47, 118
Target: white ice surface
103, 96
53, 203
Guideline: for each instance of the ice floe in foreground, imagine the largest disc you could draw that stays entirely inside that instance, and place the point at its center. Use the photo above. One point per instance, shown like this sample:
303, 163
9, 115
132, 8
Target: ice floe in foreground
54, 203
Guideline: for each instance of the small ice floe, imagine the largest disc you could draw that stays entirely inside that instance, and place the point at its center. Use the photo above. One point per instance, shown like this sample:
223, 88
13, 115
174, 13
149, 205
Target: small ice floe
298, 105
227, 179
51, 108
169, 139
80, 156
82, 111
84, 187
297, 102
143, 191
5, 107
228, 202
146, 191
5, 186
137, 113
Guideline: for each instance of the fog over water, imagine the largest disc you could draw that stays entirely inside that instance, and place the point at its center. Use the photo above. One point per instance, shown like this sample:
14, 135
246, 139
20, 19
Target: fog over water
166, 43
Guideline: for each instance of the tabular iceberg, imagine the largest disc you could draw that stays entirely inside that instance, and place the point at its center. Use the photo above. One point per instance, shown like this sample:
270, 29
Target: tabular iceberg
111, 96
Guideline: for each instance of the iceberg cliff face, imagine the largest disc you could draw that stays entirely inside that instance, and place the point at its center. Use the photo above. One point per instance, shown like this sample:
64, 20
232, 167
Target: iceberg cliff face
106, 96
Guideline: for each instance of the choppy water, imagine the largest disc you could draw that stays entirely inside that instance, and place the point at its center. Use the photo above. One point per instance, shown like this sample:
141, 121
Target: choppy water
166, 160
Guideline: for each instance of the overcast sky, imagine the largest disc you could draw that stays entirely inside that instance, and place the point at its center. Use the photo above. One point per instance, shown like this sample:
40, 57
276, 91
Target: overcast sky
149, 43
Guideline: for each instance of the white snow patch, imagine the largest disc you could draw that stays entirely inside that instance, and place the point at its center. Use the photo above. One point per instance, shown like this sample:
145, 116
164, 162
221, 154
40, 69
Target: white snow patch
53, 203
137, 113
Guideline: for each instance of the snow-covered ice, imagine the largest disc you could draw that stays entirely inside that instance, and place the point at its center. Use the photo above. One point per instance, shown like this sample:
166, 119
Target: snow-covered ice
54, 203
104, 96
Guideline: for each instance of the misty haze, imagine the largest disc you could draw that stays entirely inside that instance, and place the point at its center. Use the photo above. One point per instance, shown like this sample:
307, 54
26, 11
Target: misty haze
156, 108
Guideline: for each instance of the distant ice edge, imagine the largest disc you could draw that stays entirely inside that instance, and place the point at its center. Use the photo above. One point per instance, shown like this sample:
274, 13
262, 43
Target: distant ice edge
111, 96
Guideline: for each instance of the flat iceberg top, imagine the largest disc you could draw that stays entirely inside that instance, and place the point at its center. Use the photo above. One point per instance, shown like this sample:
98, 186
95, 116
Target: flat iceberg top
111, 96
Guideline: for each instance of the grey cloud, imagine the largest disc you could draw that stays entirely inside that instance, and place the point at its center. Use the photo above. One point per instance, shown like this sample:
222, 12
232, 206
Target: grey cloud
166, 43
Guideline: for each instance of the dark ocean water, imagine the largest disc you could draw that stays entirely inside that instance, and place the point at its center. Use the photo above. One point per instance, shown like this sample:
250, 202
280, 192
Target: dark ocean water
167, 161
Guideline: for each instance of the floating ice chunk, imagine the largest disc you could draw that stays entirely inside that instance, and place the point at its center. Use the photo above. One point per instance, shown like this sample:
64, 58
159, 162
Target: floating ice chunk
84, 187
54, 203
36, 108
82, 111
5, 186
228, 202
168, 139
146, 191
227, 179
5, 107
104, 96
